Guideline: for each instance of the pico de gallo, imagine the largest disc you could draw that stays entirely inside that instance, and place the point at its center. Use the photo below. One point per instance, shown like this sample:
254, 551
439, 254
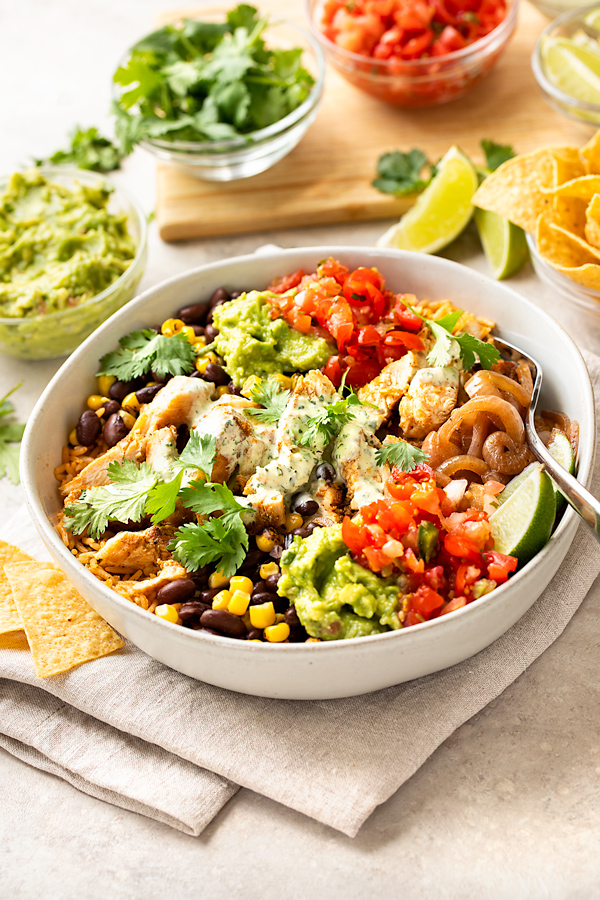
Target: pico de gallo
446, 557
371, 325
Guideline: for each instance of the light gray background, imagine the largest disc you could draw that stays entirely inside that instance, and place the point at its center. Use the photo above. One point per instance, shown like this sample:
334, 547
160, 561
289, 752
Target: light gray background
509, 807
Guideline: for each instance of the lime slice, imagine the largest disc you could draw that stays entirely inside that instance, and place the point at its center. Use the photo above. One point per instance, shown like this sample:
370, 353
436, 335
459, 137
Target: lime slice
441, 212
523, 523
592, 19
572, 69
504, 243
516, 482
562, 451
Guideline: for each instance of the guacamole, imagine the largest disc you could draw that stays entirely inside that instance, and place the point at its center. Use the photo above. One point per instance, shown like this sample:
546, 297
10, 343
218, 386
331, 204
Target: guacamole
334, 596
59, 246
252, 343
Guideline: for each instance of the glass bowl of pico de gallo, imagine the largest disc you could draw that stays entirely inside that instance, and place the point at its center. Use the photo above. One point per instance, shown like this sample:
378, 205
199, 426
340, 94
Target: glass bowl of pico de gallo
413, 53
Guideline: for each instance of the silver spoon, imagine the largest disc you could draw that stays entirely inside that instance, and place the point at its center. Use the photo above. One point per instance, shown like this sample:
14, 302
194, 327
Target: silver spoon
576, 495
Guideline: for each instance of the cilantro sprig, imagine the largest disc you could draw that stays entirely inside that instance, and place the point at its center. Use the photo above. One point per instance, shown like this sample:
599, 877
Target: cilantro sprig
471, 348
10, 439
88, 150
403, 173
496, 154
123, 500
144, 351
273, 398
400, 454
329, 421
200, 81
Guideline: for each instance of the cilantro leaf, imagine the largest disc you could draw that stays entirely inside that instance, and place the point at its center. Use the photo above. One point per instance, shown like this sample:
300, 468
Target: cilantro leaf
496, 154
143, 351
199, 453
88, 150
216, 541
401, 454
123, 500
329, 420
162, 499
470, 347
10, 438
205, 498
274, 400
402, 173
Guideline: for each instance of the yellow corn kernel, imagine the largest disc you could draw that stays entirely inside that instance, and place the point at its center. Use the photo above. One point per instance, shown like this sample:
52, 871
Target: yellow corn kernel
249, 385
189, 333
270, 568
240, 600
100, 412
246, 620
105, 382
221, 600
255, 641
262, 615
222, 390
167, 612
217, 580
293, 521
128, 418
284, 381
265, 542
95, 401
202, 363
131, 402
199, 341
275, 634
312, 641
172, 326
73, 438
279, 618
241, 583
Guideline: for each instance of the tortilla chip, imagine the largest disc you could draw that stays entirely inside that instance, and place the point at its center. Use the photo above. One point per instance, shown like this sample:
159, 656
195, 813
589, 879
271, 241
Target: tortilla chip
582, 188
590, 155
587, 276
592, 221
517, 189
567, 164
569, 213
16, 640
10, 620
62, 629
559, 247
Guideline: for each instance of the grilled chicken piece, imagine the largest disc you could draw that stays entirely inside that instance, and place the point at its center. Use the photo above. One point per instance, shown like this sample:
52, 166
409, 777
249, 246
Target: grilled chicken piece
133, 550
430, 399
386, 390
133, 446
161, 449
292, 467
180, 401
241, 442
148, 588
329, 497
354, 458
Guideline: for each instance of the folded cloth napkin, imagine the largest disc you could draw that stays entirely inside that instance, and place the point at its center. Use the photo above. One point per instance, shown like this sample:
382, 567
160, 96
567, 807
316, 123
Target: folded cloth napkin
127, 729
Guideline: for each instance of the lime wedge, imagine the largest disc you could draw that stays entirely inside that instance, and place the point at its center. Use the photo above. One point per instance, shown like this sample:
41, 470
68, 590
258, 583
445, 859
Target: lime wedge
441, 212
504, 243
572, 69
516, 482
523, 523
592, 19
560, 448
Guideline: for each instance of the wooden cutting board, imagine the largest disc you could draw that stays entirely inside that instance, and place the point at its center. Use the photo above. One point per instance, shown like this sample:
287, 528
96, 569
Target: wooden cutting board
327, 177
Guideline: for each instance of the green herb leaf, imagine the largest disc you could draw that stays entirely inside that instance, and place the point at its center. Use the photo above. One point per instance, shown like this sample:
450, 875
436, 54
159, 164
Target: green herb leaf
402, 173
162, 499
199, 453
123, 500
204, 498
274, 400
215, 541
470, 347
143, 351
496, 154
10, 439
400, 454
329, 420
88, 150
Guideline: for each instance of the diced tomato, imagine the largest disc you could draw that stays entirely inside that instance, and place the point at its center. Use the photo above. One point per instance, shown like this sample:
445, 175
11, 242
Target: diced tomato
413, 618
333, 371
424, 601
283, 284
353, 535
361, 373
466, 575
461, 547
500, 565
412, 563
456, 603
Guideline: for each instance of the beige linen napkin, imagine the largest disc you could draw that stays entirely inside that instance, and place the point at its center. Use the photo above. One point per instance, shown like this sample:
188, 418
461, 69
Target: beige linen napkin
333, 760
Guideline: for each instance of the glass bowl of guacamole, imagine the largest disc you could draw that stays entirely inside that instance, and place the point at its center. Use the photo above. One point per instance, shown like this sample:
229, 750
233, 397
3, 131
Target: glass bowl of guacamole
72, 252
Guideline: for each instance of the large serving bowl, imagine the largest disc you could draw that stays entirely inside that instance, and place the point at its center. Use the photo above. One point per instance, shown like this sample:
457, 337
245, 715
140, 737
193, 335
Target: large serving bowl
336, 668
58, 333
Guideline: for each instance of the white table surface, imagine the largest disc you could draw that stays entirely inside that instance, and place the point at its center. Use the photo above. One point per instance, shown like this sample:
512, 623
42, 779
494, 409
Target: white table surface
508, 807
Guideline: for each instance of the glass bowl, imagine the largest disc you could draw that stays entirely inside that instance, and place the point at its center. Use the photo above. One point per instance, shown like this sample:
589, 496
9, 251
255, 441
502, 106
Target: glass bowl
566, 25
59, 333
585, 298
258, 150
420, 82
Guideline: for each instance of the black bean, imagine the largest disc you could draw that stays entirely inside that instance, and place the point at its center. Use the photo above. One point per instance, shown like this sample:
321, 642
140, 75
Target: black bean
277, 552
301, 532
210, 333
218, 297
198, 330
114, 430
223, 621
120, 389
291, 617
176, 591
148, 393
255, 634
259, 588
110, 408
88, 429
194, 314
216, 374
235, 294
234, 389
252, 559
208, 595
200, 576
297, 635
272, 581
325, 471
265, 597
304, 504
183, 436
161, 379
193, 610
310, 527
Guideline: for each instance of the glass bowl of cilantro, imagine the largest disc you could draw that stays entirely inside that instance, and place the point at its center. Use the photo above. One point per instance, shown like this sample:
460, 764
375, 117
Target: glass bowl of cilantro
73, 253
223, 97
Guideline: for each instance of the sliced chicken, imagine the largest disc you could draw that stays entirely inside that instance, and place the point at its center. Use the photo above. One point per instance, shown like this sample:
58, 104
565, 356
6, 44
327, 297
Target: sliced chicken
133, 550
241, 442
430, 399
329, 497
180, 401
387, 389
354, 459
161, 449
133, 447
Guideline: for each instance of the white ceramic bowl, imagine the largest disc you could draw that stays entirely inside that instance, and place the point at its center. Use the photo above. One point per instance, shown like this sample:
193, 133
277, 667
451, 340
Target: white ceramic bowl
337, 668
